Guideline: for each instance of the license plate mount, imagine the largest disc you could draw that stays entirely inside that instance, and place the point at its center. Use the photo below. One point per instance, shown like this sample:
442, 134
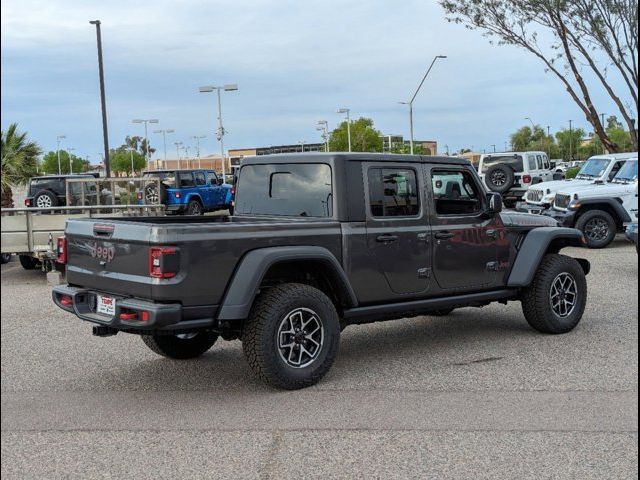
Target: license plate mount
105, 305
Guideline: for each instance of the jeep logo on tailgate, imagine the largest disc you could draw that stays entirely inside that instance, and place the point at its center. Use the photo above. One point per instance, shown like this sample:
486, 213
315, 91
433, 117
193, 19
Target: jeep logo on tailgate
102, 252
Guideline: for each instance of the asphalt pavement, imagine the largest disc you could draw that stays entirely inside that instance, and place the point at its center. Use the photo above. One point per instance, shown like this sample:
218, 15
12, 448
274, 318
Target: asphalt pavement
476, 395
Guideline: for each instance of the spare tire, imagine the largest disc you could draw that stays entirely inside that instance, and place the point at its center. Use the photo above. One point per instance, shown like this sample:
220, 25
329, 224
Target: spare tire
500, 178
152, 196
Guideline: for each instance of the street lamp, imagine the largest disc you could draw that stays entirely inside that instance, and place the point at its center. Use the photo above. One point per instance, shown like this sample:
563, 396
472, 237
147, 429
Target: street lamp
302, 144
131, 150
410, 102
178, 147
147, 155
347, 111
221, 131
197, 139
494, 148
58, 138
323, 126
533, 127
69, 150
164, 139
103, 102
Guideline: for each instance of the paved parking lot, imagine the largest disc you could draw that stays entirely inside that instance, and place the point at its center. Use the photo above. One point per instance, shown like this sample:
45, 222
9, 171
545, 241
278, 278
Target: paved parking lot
475, 395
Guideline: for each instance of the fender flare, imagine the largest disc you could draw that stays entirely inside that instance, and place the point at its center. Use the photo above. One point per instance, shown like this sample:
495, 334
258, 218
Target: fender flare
246, 280
534, 248
193, 196
614, 203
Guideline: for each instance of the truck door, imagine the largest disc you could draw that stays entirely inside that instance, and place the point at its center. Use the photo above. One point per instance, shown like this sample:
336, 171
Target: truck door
397, 226
203, 189
215, 191
466, 249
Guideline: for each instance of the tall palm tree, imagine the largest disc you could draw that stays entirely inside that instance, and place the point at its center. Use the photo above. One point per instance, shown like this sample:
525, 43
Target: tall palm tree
19, 161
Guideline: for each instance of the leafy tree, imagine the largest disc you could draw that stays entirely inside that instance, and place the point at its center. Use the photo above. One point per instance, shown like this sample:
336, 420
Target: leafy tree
121, 161
569, 142
364, 137
405, 149
571, 39
19, 161
525, 136
50, 163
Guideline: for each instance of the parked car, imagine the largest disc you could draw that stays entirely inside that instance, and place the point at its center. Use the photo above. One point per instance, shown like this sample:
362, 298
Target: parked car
190, 192
601, 168
599, 210
51, 191
511, 174
320, 241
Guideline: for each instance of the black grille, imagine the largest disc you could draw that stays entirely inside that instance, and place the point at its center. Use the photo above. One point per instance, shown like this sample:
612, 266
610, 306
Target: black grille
562, 201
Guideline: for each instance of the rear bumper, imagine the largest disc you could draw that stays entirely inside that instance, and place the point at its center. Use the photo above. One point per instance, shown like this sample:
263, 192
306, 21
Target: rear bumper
565, 219
168, 317
175, 208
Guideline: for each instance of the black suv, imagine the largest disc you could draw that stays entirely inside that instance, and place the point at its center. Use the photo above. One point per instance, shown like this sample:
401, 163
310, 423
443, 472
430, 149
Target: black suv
51, 191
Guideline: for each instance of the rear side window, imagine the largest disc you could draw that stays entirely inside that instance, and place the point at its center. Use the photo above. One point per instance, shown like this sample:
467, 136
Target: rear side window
185, 179
393, 192
456, 193
301, 190
514, 161
200, 179
54, 184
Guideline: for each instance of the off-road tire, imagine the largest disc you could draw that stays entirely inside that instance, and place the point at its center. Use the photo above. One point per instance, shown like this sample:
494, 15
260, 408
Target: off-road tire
172, 346
28, 262
506, 172
598, 215
47, 197
231, 209
259, 338
194, 207
536, 302
5, 258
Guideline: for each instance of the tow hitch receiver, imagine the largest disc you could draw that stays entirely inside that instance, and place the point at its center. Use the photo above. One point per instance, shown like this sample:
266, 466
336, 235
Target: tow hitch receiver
104, 331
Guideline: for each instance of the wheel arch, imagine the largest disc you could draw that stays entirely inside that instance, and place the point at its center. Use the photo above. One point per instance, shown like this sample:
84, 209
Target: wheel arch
194, 196
538, 243
613, 206
313, 265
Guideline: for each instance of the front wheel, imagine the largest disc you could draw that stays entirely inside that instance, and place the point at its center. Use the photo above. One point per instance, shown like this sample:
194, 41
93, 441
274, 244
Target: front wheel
599, 228
182, 345
292, 336
556, 299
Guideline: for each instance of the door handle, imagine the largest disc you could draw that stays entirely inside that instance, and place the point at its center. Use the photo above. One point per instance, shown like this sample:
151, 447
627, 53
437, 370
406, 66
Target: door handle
444, 235
386, 238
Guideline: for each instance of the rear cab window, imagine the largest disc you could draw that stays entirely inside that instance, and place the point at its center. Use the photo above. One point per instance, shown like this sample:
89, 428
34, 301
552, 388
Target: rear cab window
514, 161
300, 190
200, 179
55, 185
393, 192
168, 179
185, 179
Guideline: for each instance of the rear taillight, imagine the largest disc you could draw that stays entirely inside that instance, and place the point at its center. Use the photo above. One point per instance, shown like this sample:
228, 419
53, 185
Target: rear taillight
66, 300
233, 190
164, 262
176, 194
62, 250
526, 179
27, 202
139, 195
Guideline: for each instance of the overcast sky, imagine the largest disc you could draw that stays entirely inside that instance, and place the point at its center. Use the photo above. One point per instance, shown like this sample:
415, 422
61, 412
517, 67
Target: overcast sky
295, 62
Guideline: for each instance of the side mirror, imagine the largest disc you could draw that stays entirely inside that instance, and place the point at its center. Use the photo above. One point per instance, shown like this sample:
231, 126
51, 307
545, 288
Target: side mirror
494, 202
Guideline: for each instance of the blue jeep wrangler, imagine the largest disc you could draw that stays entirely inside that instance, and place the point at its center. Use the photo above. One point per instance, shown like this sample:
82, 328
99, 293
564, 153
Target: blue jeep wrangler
190, 192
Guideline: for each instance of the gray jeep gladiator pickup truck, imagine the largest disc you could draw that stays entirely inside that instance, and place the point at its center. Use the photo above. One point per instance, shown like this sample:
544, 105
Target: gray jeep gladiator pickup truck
319, 242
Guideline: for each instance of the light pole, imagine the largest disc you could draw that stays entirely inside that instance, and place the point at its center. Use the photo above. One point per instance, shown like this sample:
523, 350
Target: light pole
178, 147
197, 139
131, 150
164, 139
494, 148
323, 126
58, 138
533, 126
301, 143
570, 141
347, 111
69, 150
220, 132
410, 102
147, 155
103, 101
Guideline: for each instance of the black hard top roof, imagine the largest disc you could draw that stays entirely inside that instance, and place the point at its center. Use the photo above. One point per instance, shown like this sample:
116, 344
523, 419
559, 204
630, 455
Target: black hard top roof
351, 157
74, 175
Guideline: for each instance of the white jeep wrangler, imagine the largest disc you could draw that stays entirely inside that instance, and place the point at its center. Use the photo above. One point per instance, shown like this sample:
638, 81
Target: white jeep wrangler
599, 210
512, 173
598, 169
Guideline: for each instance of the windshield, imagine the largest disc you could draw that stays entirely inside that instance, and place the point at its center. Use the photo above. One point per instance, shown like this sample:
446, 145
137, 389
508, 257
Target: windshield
301, 190
168, 178
628, 172
514, 161
594, 168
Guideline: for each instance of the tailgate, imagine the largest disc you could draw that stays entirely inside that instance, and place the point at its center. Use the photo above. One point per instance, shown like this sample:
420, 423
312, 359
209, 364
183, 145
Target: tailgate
109, 256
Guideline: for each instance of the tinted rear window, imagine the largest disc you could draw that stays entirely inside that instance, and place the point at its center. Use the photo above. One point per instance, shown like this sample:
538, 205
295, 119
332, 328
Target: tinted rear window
285, 189
167, 178
54, 184
514, 161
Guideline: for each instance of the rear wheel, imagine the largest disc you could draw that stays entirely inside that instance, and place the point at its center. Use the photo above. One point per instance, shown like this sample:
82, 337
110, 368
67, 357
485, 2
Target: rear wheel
194, 208
28, 262
292, 336
599, 228
556, 299
180, 346
45, 199
5, 258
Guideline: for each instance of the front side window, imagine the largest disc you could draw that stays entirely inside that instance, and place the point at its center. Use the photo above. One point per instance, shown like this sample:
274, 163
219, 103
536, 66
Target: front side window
393, 192
456, 193
301, 190
213, 178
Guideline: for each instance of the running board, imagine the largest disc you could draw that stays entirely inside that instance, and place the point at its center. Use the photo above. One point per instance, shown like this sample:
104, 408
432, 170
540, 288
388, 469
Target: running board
414, 308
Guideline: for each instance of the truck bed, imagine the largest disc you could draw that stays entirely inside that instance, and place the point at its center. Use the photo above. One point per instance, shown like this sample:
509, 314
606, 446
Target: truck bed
209, 247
